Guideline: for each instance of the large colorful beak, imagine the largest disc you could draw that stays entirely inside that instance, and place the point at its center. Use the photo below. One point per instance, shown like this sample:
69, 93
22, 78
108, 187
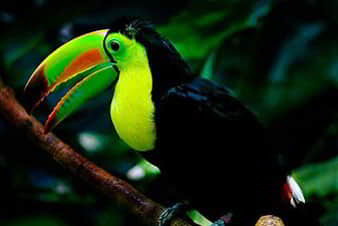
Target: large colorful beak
80, 63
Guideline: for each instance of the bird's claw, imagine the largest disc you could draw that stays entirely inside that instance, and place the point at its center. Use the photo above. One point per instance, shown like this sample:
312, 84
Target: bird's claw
223, 221
219, 222
168, 214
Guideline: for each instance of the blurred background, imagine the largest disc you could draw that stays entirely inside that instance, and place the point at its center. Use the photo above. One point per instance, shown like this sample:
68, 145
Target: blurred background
279, 57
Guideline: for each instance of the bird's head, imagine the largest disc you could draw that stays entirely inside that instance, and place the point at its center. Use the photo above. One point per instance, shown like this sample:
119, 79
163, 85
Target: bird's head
93, 62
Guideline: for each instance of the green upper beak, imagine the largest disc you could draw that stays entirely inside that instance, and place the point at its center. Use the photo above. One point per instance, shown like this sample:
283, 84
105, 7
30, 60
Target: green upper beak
81, 62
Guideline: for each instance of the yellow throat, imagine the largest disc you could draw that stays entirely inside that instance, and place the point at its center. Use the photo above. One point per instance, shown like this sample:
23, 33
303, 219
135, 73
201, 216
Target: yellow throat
132, 108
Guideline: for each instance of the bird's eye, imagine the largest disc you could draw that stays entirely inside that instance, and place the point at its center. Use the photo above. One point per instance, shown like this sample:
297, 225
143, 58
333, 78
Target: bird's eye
115, 45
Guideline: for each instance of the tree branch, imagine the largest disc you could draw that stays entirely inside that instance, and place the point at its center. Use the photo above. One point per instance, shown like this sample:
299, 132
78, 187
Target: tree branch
118, 190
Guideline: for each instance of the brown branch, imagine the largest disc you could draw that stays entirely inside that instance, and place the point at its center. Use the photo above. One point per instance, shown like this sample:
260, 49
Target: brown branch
118, 190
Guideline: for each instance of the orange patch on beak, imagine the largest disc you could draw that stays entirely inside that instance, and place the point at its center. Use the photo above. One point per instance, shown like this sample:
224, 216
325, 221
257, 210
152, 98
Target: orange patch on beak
83, 62
41, 90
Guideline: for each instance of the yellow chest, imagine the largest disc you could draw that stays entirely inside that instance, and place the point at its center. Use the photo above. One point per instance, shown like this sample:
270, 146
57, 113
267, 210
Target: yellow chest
132, 109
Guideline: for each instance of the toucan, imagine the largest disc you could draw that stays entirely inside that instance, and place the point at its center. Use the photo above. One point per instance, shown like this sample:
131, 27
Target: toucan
209, 144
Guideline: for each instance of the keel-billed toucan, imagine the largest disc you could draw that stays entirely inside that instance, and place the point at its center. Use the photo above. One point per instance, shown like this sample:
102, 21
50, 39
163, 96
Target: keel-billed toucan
201, 137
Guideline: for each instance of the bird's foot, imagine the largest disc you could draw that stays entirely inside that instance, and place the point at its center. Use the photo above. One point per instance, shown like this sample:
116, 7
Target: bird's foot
219, 222
168, 214
223, 221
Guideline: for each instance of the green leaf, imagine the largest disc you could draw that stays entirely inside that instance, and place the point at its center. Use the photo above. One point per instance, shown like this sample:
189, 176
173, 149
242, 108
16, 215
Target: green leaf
205, 24
207, 70
319, 180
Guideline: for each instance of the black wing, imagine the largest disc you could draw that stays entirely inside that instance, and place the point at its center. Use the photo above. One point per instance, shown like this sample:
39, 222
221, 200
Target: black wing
207, 137
207, 114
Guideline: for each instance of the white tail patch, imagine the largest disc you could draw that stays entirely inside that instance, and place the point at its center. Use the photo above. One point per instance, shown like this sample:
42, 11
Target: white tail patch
297, 196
